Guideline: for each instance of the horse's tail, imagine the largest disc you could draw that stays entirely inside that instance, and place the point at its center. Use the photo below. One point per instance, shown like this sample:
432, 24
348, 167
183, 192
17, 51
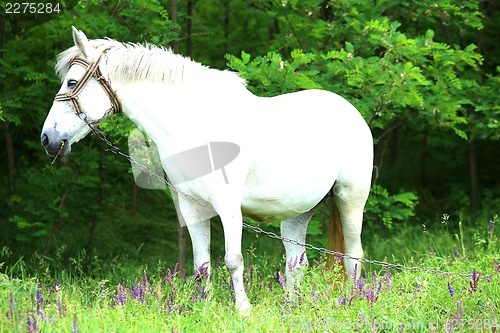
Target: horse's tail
335, 237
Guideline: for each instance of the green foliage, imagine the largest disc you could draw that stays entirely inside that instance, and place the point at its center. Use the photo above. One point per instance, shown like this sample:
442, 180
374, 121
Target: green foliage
271, 75
382, 206
400, 82
424, 74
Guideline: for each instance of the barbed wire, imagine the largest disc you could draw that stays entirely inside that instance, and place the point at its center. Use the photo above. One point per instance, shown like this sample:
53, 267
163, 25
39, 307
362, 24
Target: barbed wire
115, 150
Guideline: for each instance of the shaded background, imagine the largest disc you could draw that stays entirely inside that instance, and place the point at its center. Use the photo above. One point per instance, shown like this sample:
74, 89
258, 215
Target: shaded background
424, 74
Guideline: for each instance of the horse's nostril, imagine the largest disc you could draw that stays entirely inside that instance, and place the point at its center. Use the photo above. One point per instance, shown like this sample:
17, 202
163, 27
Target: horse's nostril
45, 140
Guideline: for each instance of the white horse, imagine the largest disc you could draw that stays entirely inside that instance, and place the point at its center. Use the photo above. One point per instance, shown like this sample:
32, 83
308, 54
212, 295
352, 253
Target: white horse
293, 147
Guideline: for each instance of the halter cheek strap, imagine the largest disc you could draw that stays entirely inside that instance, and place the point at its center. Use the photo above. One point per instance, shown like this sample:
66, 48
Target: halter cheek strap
91, 69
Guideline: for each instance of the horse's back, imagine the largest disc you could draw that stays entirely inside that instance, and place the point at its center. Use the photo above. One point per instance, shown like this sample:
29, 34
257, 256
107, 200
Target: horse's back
301, 143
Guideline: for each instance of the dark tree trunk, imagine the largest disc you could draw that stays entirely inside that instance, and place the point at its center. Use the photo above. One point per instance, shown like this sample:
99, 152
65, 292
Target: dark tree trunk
173, 16
9, 145
11, 163
95, 218
181, 231
474, 183
227, 7
189, 27
181, 243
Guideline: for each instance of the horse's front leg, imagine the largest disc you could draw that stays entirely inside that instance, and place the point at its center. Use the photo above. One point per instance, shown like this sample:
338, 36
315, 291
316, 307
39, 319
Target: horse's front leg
232, 223
200, 238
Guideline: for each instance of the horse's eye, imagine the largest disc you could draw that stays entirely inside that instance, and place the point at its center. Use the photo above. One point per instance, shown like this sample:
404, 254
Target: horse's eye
72, 83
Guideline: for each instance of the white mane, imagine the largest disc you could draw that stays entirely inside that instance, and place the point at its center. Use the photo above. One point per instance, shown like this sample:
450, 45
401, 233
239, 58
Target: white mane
128, 62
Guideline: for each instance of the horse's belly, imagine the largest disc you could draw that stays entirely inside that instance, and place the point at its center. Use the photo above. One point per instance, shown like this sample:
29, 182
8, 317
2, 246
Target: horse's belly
287, 190
268, 209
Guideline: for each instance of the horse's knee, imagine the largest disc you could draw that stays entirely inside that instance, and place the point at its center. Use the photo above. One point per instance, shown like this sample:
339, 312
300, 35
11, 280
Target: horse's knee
233, 261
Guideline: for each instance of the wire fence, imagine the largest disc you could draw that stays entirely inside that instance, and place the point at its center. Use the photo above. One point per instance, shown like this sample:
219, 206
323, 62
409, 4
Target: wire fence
115, 150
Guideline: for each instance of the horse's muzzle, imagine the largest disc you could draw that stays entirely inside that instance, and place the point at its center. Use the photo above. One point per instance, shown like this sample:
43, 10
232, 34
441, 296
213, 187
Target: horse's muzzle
54, 143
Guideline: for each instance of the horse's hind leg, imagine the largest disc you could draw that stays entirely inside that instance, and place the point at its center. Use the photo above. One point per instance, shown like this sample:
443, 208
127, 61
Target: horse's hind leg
350, 200
295, 229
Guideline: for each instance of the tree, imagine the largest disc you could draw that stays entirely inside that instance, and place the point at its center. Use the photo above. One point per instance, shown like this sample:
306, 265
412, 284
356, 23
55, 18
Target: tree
423, 74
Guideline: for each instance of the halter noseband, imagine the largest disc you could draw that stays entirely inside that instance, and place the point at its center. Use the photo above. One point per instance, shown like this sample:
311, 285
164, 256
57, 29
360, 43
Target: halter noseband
91, 69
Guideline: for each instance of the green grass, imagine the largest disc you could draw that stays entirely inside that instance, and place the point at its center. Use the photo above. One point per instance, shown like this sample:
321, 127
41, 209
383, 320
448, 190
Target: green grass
162, 299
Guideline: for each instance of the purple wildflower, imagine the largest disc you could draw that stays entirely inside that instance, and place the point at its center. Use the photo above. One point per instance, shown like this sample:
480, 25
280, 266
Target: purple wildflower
183, 275
170, 303
35, 322
450, 289
419, 288
314, 294
75, 325
52, 319
292, 266
28, 323
388, 278
379, 288
360, 283
197, 286
39, 299
231, 284
42, 315
202, 271
280, 279
135, 291
475, 277
141, 291
59, 306
496, 265
490, 226
12, 303
121, 299
217, 264
355, 273
370, 295
455, 252
302, 260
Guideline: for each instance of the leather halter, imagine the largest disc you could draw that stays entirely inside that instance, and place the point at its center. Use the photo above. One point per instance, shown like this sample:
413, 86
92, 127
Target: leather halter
92, 69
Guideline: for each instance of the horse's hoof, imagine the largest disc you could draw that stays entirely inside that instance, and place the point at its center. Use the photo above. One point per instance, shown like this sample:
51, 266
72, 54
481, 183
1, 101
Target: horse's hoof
244, 308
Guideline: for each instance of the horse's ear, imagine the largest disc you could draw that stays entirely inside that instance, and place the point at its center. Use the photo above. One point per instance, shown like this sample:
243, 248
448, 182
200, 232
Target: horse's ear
81, 41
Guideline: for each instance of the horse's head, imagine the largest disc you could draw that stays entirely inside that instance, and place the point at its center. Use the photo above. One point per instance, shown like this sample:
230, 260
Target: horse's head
85, 97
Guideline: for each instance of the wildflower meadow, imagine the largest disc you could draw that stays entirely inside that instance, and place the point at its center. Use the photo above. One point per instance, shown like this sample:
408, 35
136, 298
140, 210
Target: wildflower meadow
437, 291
